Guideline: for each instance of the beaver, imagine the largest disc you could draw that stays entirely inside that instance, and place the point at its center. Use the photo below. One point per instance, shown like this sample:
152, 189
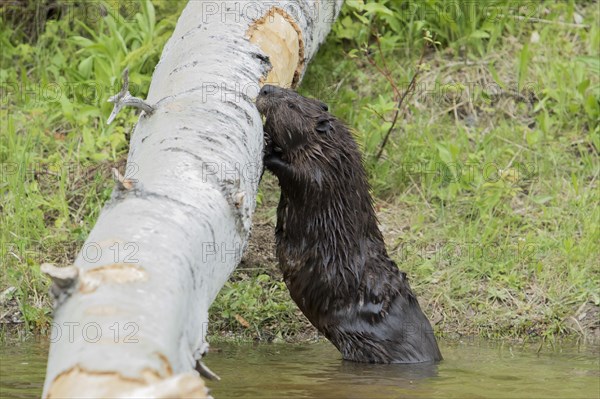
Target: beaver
328, 243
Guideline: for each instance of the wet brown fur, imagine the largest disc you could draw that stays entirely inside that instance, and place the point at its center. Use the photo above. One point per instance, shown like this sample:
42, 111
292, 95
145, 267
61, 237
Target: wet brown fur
329, 245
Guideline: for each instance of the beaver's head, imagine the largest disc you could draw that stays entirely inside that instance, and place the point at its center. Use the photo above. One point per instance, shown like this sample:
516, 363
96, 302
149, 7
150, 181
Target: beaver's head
291, 119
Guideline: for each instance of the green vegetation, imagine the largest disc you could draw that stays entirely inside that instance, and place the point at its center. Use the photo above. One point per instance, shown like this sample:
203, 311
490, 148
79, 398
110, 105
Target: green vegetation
56, 151
487, 188
490, 177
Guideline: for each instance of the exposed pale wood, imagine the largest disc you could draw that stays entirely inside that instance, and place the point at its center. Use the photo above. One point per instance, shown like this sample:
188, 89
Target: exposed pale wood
280, 38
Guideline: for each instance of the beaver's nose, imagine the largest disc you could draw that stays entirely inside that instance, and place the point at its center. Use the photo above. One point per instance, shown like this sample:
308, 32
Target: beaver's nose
267, 89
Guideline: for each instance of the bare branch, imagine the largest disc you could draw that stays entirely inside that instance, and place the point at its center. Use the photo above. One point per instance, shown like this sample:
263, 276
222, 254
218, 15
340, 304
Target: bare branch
124, 98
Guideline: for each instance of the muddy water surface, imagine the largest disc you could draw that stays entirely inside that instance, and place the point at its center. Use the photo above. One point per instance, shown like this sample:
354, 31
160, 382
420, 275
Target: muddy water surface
471, 369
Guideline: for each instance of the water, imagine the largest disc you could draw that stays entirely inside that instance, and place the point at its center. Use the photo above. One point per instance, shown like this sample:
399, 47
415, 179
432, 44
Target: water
472, 369
22, 369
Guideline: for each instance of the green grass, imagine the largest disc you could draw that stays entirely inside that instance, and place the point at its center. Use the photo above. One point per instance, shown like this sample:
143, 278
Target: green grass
257, 306
56, 151
487, 189
492, 171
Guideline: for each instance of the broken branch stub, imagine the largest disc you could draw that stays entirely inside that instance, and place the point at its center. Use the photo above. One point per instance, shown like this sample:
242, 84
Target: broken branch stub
124, 98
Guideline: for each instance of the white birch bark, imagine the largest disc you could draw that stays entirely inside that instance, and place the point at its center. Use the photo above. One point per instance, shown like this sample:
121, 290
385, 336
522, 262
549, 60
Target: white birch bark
132, 312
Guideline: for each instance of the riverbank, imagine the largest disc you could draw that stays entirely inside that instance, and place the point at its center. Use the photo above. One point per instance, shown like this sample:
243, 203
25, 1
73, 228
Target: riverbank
486, 189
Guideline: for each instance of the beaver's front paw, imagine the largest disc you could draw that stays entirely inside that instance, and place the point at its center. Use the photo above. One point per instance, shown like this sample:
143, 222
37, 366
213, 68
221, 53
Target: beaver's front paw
267, 145
278, 166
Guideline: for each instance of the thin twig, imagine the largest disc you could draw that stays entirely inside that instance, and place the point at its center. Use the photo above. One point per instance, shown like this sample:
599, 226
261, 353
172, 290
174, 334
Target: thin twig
408, 90
385, 71
382, 117
388, 73
385, 75
543, 21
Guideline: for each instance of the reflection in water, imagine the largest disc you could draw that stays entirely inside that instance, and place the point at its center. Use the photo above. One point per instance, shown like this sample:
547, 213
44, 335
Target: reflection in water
477, 369
306, 371
470, 370
382, 372
355, 380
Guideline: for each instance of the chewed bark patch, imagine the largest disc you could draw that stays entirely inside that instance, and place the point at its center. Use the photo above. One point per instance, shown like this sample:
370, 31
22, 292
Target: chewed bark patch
280, 38
149, 384
116, 273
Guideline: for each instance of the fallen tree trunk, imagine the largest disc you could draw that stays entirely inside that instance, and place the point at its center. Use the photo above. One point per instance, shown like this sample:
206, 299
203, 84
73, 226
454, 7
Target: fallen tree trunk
131, 314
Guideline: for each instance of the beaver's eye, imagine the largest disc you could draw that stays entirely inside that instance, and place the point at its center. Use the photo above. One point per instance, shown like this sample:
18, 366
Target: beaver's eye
267, 89
292, 105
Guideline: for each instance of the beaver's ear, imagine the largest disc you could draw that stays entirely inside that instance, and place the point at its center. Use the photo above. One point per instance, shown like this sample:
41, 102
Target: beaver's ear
324, 106
323, 125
